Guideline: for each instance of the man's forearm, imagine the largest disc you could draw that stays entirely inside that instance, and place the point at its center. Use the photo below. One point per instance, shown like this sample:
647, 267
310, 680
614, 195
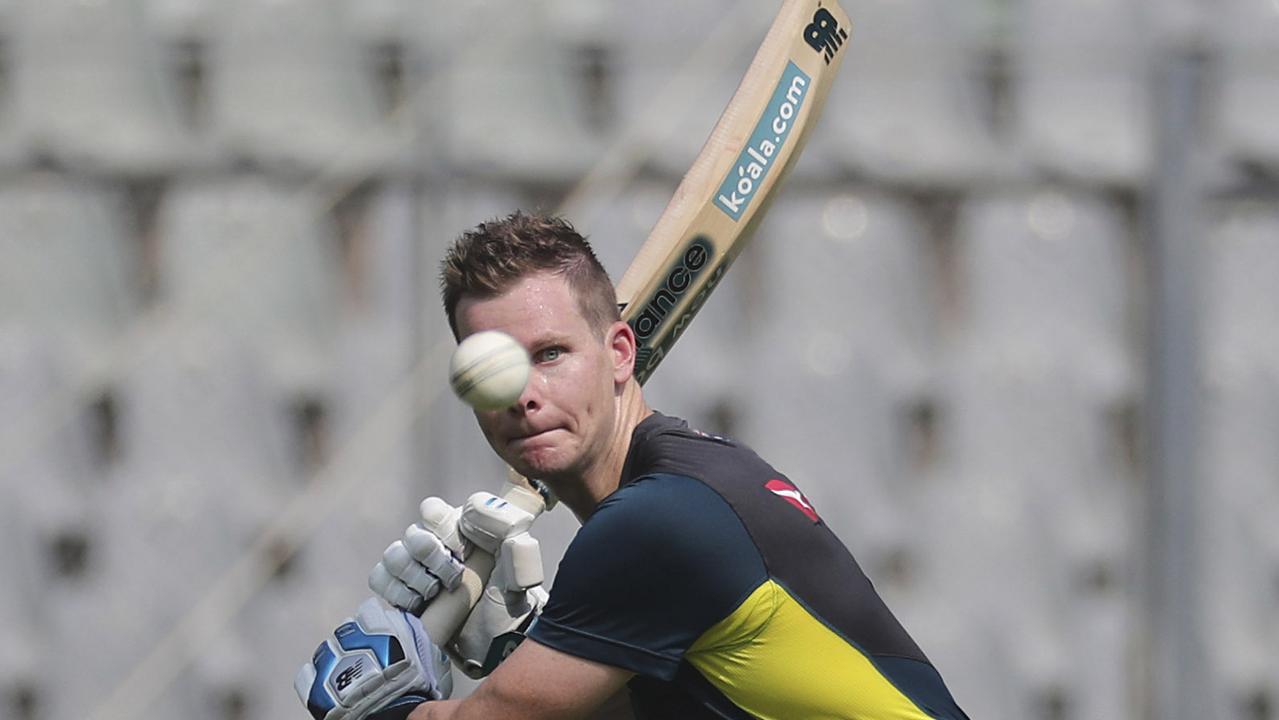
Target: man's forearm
538, 683
439, 710
618, 707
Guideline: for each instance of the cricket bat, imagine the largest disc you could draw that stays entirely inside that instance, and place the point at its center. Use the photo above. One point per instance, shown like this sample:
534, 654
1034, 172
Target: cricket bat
706, 224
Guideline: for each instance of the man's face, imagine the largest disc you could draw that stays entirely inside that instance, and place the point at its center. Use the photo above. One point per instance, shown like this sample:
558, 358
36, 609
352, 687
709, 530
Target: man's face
564, 420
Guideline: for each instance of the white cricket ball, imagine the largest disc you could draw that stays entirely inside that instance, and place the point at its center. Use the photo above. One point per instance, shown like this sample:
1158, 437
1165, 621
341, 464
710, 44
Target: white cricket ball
489, 370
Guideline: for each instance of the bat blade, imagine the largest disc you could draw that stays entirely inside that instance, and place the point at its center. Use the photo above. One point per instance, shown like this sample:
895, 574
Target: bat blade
721, 199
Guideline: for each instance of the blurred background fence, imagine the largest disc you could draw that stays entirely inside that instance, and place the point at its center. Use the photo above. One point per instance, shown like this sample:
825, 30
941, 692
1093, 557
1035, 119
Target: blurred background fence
1011, 325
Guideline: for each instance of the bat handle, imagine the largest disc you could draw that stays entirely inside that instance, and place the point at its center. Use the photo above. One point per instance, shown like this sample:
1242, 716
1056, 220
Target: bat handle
445, 614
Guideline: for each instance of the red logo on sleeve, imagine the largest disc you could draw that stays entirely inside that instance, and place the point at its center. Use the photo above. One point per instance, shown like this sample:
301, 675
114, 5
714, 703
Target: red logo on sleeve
790, 494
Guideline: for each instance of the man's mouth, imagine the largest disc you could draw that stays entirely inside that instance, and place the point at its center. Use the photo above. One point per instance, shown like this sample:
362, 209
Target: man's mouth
532, 434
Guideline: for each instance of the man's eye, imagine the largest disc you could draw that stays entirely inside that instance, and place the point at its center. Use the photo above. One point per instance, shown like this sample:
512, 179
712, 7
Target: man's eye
550, 354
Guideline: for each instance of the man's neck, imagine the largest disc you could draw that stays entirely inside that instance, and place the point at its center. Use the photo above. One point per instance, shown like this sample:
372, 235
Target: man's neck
584, 493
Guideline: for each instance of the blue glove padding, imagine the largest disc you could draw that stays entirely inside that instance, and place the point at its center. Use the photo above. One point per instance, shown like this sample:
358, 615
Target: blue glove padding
379, 660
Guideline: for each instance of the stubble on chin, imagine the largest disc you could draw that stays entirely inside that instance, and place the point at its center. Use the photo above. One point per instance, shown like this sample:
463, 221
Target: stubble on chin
547, 466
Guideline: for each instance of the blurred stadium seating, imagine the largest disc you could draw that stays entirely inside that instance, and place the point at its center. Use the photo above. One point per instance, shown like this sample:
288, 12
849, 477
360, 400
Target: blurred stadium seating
477, 70
1081, 73
1044, 272
88, 88
219, 223
1247, 32
69, 273
913, 111
231, 247
1241, 460
289, 87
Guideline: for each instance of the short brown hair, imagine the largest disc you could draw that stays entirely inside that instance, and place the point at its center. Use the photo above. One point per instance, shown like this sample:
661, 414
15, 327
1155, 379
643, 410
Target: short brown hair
487, 260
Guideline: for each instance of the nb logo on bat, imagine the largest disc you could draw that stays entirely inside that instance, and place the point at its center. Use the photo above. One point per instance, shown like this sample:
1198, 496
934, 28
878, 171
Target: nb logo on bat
825, 35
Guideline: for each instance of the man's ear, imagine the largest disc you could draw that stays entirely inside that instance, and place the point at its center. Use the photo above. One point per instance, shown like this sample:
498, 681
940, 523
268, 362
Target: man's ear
623, 346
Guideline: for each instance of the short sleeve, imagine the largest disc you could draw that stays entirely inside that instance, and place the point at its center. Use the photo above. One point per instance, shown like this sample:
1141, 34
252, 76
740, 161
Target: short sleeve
662, 560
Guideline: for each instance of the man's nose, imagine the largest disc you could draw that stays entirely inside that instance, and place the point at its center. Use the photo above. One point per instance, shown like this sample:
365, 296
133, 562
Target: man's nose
530, 398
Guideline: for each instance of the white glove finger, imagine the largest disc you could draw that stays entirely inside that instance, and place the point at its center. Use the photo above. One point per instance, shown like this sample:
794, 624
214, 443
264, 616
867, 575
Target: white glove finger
303, 681
521, 562
401, 563
394, 591
427, 549
487, 520
366, 688
441, 518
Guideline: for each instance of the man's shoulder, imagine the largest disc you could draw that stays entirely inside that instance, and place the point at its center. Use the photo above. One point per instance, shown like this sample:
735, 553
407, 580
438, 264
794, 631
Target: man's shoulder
659, 526
664, 446
655, 503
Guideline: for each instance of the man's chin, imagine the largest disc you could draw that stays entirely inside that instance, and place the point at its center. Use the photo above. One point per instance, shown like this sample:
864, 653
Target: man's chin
538, 470
538, 454
539, 467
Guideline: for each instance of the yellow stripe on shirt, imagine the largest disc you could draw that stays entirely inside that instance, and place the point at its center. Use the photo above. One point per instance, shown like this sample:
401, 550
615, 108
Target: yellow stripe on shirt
776, 661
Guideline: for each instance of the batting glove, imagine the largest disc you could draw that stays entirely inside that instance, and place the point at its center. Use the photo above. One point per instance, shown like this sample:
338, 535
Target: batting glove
426, 561
378, 665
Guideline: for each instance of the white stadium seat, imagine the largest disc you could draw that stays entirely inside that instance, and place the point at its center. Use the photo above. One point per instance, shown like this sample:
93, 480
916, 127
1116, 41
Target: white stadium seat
1240, 547
1031, 499
257, 259
129, 616
1083, 89
197, 411
47, 470
1241, 261
47, 479
1043, 277
89, 87
374, 356
1040, 367
384, 22
1100, 632
499, 92
1240, 462
184, 20
289, 89
909, 108
202, 466
854, 263
69, 268
385, 260
1248, 36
